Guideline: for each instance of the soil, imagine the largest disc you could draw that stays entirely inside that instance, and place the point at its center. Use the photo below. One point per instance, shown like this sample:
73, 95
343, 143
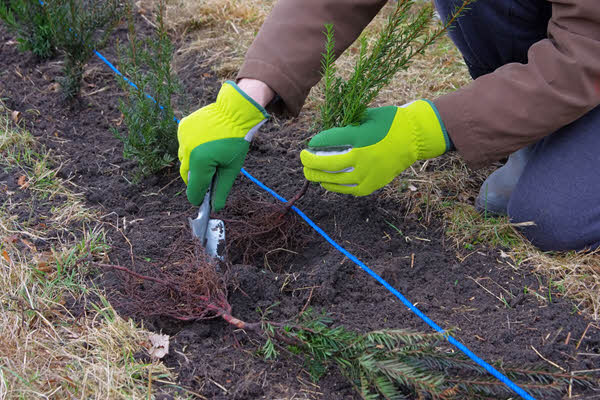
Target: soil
147, 222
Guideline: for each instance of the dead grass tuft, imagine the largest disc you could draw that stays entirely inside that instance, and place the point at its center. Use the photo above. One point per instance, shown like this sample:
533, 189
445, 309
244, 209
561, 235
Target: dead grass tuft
220, 31
574, 274
187, 15
48, 350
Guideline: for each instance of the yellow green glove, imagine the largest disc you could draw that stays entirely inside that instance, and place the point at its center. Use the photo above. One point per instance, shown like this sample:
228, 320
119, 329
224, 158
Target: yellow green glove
360, 159
215, 139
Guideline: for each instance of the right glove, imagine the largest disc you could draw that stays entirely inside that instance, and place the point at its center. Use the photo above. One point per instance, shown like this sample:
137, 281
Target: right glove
215, 139
360, 159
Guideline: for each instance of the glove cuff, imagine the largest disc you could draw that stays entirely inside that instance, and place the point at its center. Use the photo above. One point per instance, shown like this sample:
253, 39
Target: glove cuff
240, 109
432, 138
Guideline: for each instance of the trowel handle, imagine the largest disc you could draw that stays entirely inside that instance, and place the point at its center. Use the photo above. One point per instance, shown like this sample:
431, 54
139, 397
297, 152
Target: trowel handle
204, 210
205, 206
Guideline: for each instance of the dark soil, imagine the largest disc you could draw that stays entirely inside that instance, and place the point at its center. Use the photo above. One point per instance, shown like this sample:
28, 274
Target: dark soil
147, 222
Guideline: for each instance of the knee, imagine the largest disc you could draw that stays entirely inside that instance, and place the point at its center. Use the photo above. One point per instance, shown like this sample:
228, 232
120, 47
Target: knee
555, 226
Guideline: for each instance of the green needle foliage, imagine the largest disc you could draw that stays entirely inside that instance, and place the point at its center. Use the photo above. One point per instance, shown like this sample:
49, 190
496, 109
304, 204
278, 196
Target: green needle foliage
151, 137
30, 21
80, 27
403, 364
405, 35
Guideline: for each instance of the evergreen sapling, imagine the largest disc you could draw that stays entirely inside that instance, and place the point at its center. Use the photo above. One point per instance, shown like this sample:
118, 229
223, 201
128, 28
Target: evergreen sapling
79, 28
404, 36
404, 364
30, 21
151, 137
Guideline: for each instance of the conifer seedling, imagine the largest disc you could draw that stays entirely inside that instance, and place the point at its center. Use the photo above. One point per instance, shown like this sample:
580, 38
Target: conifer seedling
151, 137
30, 21
80, 27
404, 36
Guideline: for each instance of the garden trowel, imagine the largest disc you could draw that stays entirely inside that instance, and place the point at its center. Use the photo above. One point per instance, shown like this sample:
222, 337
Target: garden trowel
211, 232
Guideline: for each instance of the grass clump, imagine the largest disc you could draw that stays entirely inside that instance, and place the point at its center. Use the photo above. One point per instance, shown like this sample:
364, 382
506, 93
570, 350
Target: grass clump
151, 137
469, 228
403, 37
79, 28
47, 350
30, 21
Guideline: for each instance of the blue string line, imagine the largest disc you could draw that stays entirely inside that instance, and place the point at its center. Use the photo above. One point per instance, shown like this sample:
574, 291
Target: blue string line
396, 293
356, 261
126, 79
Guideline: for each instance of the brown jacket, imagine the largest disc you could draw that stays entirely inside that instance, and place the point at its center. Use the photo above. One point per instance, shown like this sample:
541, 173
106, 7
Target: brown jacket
491, 117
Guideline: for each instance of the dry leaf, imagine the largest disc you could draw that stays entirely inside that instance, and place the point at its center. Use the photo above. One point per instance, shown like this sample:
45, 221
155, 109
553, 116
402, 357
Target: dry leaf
16, 116
43, 266
160, 345
6, 256
22, 182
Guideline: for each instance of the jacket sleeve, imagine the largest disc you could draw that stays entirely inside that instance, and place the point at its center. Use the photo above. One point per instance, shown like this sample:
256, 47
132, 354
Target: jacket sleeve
518, 104
287, 52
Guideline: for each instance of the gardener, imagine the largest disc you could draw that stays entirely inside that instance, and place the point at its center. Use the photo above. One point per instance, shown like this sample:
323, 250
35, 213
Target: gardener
536, 95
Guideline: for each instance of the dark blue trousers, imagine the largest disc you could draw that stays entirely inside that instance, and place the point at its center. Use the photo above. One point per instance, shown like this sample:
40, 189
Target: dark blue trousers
560, 188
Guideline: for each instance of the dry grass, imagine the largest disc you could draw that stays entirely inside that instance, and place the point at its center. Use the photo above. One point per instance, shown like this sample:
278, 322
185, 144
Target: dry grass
186, 15
46, 351
574, 274
444, 186
218, 30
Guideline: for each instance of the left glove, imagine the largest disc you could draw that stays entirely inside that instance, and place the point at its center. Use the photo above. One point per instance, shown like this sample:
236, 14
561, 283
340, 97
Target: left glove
360, 159
215, 140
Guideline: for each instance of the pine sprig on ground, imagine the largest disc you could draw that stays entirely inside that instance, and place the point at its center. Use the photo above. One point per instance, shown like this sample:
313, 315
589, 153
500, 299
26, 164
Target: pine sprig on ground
403, 37
398, 364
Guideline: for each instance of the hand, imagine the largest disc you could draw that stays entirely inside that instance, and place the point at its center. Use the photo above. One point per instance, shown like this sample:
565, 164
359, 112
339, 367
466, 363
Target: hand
360, 159
215, 139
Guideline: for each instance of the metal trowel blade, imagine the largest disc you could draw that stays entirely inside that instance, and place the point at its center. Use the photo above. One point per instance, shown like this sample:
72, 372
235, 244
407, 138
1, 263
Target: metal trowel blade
211, 232
215, 239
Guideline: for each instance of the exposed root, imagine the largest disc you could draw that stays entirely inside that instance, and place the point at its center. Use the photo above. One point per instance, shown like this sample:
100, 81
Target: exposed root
264, 232
288, 206
188, 289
